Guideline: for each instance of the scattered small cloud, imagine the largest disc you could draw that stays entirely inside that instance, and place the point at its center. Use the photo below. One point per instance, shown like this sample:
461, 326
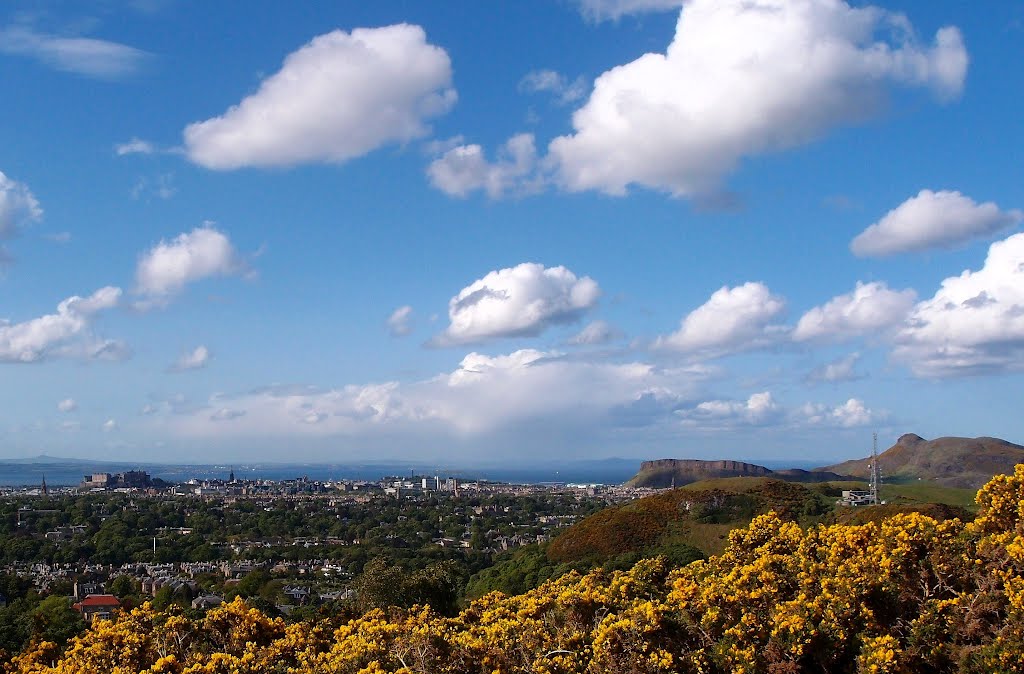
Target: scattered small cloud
109, 426
852, 413
554, 83
135, 146
195, 359
400, 321
81, 55
67, 405
18, 209
596, 332
613, 10
160, 187
758, 409
839, 370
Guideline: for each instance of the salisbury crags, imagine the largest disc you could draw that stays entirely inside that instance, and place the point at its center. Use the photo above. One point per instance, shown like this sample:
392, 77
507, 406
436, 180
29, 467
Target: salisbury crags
664, 472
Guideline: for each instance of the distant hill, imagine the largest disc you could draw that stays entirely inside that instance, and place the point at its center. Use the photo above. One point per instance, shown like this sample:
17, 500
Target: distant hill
663, 473
951, 462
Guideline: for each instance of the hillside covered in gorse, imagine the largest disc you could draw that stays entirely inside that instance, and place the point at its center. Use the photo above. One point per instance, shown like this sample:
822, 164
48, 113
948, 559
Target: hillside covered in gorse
907, 594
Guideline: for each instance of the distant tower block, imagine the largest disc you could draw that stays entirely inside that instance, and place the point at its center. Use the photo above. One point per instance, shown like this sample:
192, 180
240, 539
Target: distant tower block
231, 475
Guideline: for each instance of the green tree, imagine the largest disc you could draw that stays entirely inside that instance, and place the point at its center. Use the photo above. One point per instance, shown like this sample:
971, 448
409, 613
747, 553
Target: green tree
54, 620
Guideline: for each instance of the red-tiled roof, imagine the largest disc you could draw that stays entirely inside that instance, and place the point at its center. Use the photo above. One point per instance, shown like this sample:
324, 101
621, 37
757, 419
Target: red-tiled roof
98, 600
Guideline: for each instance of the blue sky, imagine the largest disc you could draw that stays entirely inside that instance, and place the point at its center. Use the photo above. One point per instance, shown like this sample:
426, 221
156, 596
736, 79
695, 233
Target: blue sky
507, 232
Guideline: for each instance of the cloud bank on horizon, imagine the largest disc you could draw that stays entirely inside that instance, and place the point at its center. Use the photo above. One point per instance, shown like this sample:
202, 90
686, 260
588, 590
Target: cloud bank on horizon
554, 291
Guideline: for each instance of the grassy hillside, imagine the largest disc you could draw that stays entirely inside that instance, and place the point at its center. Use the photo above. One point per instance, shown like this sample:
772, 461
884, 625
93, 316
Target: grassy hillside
909, 493
694, 521
698, 515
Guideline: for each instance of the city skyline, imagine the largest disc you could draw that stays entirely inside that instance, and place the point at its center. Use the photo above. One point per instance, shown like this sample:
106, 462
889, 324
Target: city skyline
499, 234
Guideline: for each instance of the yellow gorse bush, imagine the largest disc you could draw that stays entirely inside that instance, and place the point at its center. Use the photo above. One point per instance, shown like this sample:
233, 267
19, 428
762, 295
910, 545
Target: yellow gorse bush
909, 594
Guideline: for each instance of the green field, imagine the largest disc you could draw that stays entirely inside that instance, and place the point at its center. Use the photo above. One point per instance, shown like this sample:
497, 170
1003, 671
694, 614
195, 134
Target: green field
911, 493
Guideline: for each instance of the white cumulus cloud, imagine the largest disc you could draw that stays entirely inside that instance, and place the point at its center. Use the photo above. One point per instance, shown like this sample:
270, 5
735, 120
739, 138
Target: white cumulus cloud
465, 169
518, 301
743, 78
872, 308
195, 359
167, 267
933, 220
732, 320
338, 97
64, 333
67, 405
975, 321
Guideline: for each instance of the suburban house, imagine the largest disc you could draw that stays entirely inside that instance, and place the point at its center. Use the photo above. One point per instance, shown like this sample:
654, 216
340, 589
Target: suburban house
95, 606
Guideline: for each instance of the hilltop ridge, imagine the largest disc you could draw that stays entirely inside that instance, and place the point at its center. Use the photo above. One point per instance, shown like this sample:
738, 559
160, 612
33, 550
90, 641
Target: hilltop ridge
948, 461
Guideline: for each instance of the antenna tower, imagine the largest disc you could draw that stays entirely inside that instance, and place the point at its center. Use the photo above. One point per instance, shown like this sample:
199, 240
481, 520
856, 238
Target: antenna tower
874, 469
